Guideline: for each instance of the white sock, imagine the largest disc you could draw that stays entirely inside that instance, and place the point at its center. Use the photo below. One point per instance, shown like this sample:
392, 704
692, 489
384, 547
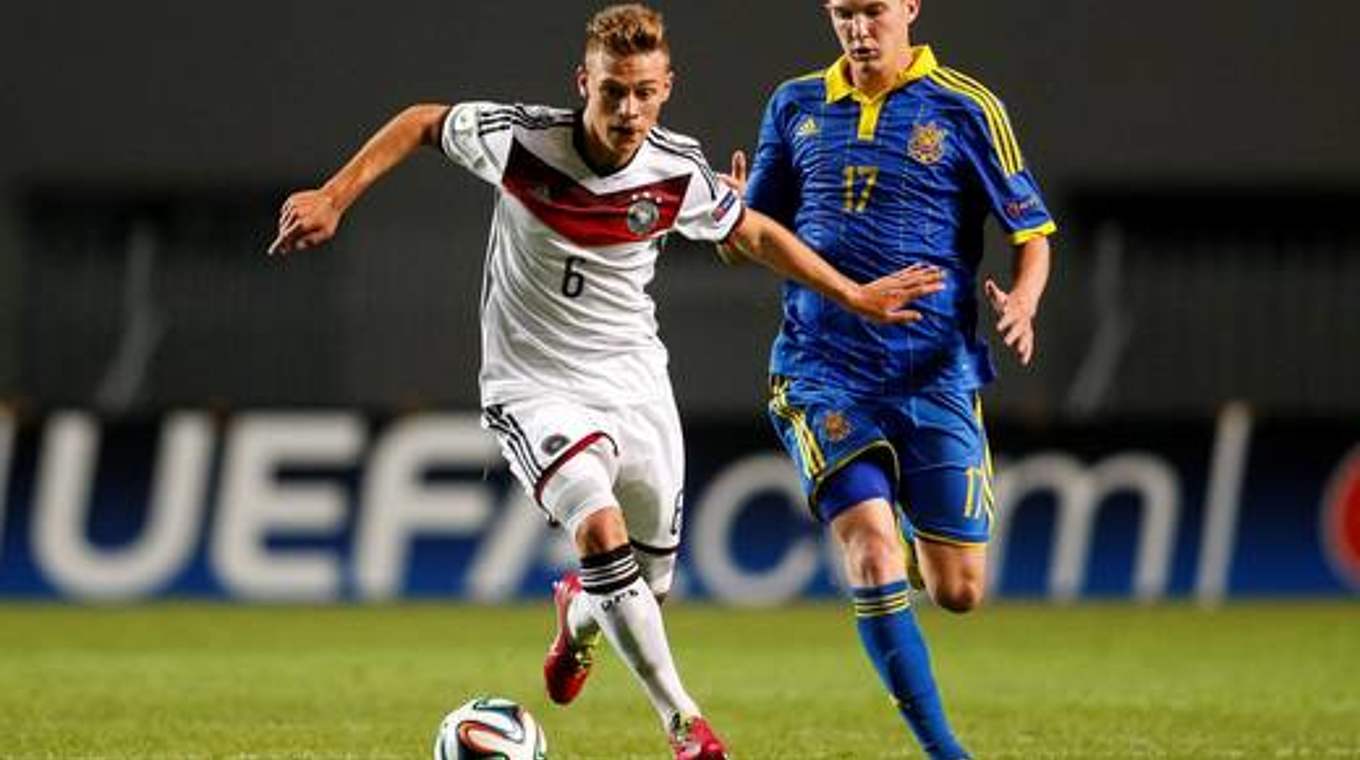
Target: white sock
626, 611
581, 623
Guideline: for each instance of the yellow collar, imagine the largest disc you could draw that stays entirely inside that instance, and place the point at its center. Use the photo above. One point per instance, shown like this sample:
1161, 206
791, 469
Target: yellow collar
838, 83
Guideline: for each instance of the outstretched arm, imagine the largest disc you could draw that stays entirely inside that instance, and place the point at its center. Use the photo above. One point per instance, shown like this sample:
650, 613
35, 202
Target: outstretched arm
1016, 310
310, 217
766, 242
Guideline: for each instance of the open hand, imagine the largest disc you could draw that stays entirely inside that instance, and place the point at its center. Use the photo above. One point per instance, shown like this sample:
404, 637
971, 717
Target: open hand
884, 299
737, 178
307, 219
1016, 319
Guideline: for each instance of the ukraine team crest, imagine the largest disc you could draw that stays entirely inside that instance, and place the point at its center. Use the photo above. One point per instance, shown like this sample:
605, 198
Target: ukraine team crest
927, 143
837, 427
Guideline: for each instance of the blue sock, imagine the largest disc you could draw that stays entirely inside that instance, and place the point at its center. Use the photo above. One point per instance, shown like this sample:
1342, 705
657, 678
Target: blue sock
887, 627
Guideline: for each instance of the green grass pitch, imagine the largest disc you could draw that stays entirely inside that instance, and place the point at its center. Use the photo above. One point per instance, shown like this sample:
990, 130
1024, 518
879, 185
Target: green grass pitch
1259, 680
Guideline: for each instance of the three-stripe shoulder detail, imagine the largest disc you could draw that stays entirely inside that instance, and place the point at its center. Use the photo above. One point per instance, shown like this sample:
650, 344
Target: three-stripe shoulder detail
504, 117
683, 147
811, 76
998, 122
798, 87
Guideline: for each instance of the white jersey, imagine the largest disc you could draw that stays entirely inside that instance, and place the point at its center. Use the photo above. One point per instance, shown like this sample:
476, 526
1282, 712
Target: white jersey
564, 301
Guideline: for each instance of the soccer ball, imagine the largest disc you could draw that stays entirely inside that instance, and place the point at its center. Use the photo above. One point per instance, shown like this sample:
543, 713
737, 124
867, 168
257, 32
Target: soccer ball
490, 727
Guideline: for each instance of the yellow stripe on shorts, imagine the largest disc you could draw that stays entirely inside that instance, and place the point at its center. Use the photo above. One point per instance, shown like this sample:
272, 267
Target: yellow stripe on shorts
811, 454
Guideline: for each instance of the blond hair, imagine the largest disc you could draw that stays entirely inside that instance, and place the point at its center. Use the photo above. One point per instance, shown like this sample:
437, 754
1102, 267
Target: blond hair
627, 29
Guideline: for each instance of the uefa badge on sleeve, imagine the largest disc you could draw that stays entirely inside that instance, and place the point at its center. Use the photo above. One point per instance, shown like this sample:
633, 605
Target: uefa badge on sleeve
729, 200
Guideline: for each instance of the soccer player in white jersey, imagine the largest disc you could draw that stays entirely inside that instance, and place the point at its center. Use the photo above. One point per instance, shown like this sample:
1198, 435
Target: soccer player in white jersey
573, 379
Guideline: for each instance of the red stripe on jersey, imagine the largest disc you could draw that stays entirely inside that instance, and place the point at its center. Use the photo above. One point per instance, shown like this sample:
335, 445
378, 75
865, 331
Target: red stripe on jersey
587, 218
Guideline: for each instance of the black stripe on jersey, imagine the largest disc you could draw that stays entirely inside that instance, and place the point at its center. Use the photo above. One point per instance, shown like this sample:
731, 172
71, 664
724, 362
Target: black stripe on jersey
496, 419
484, 131
686, 148
655, 551
691, 154
530, 122
674, 140
524, 437
519, 110
517, 450
519, 442
498, 119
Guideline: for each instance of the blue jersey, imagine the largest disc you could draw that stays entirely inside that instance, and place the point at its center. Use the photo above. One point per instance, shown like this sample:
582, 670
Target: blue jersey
875, 184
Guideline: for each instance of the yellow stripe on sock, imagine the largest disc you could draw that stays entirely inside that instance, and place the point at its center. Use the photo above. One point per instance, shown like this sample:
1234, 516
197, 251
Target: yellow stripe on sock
884, 605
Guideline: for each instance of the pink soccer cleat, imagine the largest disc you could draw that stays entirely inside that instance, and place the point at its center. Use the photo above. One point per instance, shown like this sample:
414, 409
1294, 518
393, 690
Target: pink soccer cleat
692, 739
567, 665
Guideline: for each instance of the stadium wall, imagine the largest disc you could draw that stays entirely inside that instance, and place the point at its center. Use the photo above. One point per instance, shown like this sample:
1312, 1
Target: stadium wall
342, 505
166, 118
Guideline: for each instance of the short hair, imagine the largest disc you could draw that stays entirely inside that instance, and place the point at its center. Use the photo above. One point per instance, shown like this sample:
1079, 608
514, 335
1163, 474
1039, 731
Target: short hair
627, 29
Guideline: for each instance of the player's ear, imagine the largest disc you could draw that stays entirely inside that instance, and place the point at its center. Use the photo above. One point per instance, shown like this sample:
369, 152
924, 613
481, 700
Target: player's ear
670, 82
582, 82
912, 9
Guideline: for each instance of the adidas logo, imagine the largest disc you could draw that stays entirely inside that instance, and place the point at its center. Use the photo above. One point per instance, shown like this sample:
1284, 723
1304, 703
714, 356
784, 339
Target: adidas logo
808, 128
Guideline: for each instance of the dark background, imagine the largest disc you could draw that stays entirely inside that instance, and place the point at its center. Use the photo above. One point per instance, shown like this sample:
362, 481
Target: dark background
1203, 160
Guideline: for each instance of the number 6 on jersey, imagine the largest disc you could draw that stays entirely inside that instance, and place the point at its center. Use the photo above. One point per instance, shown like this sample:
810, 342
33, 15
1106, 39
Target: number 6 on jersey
573, 282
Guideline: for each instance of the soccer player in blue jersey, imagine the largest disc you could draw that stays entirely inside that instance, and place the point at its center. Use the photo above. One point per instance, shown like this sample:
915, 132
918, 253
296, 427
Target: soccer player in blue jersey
574, 380
885, 159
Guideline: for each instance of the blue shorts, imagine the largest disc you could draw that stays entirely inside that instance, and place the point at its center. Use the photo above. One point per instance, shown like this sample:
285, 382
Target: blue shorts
933, 446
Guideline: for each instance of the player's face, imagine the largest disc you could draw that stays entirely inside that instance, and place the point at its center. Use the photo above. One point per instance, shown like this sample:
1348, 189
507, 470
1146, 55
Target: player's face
873, 33
624, 95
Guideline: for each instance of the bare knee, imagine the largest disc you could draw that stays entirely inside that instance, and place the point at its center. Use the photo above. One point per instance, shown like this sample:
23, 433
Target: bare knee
873, 559
958, 595
956, 576
867, 535
601, 531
